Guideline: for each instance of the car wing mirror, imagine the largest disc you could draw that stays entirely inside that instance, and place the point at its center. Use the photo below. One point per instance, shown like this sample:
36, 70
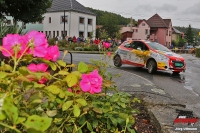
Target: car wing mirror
139, 49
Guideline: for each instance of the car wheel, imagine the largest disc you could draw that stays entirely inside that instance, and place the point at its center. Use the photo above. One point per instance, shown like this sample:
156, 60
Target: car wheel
152, 67
117, 61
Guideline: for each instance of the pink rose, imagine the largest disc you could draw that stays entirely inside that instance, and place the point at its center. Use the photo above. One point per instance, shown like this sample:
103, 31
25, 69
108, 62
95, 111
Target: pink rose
52, 53
91, 82
42, 67
11, 41
40, 43
106, 44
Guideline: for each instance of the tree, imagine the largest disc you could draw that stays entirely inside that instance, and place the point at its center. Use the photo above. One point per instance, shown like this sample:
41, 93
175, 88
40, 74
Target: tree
24, 10
189, 35
110, 24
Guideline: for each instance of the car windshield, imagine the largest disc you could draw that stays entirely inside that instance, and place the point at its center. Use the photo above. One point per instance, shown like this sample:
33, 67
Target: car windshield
157, 46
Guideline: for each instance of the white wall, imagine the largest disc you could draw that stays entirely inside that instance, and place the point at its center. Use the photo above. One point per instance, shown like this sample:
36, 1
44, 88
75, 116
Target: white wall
72, 27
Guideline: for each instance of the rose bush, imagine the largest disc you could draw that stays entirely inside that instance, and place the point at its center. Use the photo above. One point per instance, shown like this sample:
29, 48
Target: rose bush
35, 100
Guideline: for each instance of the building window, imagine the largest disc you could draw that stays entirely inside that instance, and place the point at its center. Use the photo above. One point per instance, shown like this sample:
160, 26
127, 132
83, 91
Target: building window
53, 33
167, 32
49, 19
143, 24
46, 33
8, 21
136, 30
64, 19
80, 34
133, 30
57, 33
89, 34
81, 20
49, 34
62, 33
90, 21
146, 31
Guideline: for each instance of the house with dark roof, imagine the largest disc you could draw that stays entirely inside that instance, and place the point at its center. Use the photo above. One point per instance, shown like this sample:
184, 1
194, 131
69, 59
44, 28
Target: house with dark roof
155, 29
64, 18
176, 34
69, 18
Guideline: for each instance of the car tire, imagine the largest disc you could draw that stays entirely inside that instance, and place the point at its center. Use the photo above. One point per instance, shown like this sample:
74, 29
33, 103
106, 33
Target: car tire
117, 61
152, 67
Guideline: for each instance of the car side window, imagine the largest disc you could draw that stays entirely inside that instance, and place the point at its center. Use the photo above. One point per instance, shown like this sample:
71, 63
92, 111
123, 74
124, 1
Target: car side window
127, 45
141, 46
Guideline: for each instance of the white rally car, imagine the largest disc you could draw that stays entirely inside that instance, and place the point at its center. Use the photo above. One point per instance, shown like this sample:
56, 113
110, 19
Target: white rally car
150, 55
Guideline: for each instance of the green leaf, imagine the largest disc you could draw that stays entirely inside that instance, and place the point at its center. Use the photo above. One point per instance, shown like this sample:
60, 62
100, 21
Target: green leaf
81, 101
31, 130
38, 123
51, 113
53, 66
23, 70
82, 67
61, 63
66, 105
97, 110
62, 72
10, 109
39, 86
61, 94
7, 67
35, 96
89, 126
23, 78
21, 120
76, 110
71, 80
3, 75
95, 123
77, 73
2, 115
53, 89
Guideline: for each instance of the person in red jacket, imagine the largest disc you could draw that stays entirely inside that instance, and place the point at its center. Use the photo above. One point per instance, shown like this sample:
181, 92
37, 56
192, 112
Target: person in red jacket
74, 39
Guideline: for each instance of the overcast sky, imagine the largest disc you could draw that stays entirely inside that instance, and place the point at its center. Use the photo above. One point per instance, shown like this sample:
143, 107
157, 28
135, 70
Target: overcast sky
181, 12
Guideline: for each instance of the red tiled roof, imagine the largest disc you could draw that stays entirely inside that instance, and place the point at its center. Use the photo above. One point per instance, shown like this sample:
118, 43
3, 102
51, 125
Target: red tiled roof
156, 21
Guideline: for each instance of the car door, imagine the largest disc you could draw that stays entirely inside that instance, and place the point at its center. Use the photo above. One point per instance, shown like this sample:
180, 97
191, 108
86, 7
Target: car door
138, 55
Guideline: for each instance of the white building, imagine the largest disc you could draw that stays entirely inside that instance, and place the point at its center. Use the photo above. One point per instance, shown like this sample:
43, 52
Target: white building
79, 21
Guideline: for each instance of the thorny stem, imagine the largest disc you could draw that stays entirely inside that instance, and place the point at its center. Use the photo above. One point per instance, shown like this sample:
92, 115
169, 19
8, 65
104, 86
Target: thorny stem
11, 127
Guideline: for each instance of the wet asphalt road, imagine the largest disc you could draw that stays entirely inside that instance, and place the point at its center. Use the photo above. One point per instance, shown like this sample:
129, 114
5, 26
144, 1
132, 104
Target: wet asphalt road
184, 87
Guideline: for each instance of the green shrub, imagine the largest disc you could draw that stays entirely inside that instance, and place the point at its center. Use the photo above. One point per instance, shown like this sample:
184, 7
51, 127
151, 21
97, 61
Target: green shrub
52, 41
197, 52
79, 49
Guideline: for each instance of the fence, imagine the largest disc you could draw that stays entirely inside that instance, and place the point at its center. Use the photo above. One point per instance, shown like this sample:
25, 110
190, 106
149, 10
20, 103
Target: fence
183, 51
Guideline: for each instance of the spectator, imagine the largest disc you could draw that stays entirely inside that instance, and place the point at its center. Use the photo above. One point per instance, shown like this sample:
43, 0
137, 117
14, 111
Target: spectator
74, 39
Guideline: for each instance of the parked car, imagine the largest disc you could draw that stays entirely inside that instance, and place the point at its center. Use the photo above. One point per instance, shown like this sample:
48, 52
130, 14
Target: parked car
150, 55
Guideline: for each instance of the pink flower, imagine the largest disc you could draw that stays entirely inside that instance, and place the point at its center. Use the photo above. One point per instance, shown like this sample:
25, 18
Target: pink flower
106, 44
91, 82
109, 54
11, 41
40, 43
52, 53
42, 67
